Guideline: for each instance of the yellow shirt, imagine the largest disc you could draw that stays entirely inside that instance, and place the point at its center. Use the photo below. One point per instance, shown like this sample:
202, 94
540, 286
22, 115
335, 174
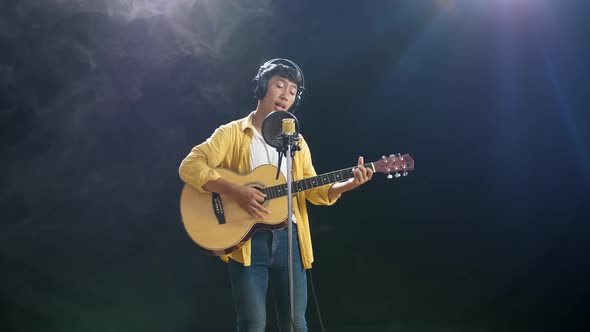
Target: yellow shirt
229, 147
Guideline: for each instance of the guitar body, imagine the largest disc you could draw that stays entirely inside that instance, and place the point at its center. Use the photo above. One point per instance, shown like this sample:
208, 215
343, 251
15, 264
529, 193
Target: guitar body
220, 235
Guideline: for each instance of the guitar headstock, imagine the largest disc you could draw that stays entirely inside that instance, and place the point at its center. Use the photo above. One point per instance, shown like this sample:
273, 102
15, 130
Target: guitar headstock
397, 164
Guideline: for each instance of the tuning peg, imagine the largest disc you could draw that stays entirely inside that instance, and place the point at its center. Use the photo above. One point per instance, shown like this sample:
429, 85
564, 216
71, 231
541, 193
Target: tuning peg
387, 169
389, 176
397, 175
405, 173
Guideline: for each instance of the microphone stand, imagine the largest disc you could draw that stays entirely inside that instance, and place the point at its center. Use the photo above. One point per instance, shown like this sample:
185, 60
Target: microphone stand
289, 138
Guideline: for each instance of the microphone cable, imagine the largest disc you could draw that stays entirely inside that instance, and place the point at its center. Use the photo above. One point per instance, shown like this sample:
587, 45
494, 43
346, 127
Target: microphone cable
315, 300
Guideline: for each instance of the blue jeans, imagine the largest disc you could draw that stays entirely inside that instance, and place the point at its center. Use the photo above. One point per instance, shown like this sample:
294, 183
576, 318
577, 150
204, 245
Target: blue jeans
249, 284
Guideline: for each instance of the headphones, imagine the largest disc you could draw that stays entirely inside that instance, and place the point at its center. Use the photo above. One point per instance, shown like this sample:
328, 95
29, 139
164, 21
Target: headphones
261, 80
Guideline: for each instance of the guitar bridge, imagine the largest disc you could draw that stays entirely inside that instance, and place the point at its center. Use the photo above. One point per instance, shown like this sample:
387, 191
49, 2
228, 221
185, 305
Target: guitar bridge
218, 208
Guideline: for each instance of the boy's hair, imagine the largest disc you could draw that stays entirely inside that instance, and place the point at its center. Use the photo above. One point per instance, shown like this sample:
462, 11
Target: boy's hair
284, 71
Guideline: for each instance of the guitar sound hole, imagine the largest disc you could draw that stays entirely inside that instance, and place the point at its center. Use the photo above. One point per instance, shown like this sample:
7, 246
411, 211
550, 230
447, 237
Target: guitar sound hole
260, 189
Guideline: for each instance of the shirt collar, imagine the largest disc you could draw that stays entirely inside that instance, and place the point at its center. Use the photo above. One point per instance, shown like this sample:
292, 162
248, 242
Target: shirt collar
247, 122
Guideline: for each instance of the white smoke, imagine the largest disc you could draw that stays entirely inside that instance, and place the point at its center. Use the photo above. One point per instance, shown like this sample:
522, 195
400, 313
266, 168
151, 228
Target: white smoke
86, 61
200, 26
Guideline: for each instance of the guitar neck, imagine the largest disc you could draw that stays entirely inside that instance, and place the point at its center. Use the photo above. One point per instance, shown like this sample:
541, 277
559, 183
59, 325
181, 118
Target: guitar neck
313, 182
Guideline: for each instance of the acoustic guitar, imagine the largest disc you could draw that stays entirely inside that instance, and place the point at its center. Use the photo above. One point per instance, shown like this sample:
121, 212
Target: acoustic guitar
219, 226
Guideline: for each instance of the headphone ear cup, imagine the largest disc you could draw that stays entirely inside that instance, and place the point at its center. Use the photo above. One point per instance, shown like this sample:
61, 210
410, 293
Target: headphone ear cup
260, 89
293, 108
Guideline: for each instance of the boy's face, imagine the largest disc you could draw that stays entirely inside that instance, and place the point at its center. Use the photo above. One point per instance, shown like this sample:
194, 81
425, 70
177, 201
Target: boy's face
280, 94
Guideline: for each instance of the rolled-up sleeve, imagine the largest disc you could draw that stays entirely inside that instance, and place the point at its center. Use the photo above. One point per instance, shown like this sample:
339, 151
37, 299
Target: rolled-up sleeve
198, 167
319, 195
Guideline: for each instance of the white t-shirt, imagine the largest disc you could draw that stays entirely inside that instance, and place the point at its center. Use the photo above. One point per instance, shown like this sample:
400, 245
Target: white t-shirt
263, 154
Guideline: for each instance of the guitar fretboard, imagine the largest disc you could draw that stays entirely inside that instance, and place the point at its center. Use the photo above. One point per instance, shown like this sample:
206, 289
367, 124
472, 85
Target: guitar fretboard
313, 182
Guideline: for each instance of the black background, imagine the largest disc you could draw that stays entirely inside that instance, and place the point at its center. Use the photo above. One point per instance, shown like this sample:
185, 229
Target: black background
101, 100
